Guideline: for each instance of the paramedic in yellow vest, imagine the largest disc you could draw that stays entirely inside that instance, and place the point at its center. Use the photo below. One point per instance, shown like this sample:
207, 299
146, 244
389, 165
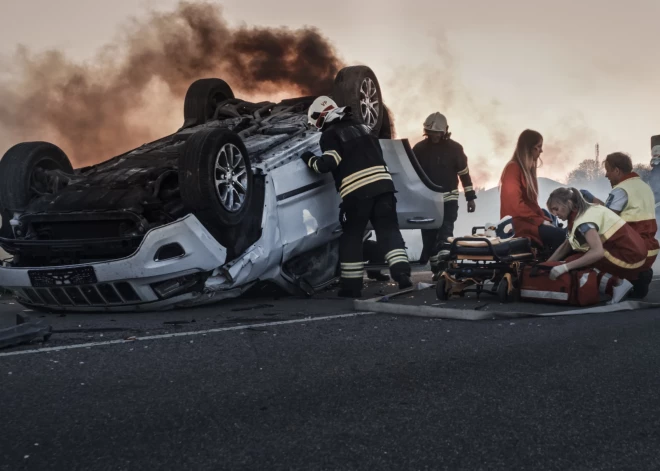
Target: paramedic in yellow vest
600, 239
633, 200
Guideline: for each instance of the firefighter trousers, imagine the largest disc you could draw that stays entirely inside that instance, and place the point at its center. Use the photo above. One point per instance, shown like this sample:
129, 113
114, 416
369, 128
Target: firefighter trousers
435, 240
354, 217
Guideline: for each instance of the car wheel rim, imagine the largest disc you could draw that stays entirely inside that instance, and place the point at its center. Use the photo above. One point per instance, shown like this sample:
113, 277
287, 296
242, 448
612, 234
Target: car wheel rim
369, 104
231, 179
39, 183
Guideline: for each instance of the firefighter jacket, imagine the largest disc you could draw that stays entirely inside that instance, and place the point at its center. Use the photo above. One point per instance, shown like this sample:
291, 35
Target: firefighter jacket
639, 211
355, 159
624, 247
444, 163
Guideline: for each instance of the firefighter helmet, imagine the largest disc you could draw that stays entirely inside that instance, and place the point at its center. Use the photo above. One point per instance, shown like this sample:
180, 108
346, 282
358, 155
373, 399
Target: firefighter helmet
318, 111
436, 122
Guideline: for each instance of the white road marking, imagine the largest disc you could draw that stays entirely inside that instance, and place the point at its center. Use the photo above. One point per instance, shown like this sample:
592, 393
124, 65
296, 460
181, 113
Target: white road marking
183, 334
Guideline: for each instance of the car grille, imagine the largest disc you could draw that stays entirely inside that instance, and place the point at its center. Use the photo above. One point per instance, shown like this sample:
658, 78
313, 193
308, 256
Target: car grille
100, 294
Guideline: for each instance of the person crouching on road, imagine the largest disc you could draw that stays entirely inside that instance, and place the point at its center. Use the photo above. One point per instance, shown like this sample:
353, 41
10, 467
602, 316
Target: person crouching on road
601, 239
633, 200
519, 191
444, 162
365, 186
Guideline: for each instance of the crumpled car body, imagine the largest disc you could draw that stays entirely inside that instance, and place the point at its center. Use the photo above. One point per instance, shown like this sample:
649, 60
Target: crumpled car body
140, 232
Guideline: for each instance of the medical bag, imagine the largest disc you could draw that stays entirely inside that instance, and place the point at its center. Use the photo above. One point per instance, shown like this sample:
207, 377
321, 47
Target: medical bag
575, 288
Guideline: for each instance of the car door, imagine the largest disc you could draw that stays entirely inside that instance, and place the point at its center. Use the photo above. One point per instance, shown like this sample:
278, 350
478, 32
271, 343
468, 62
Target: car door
307, 202
420, 203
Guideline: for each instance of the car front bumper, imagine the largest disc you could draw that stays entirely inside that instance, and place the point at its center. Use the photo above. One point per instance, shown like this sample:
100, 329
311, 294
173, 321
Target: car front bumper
143, 281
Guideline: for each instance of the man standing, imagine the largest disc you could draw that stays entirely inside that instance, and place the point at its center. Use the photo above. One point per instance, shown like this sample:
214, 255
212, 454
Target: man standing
444, 162
633, 200
365, 186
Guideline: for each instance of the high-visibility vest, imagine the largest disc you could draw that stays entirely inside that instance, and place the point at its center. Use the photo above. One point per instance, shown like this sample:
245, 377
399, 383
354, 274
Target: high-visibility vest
639, 212
623, 246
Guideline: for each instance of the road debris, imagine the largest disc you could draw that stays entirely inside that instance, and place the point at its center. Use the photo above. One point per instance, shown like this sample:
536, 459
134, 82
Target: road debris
25, 331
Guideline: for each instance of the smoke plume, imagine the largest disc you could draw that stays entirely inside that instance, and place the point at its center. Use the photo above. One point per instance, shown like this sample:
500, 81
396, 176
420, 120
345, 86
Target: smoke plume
117, 101
416, 92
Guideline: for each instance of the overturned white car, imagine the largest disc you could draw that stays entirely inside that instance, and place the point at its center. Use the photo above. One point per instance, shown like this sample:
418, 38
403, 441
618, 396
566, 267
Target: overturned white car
223, 205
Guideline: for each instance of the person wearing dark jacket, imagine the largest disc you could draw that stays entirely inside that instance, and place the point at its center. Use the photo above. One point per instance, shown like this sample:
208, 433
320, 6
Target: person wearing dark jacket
355, 159
444, 162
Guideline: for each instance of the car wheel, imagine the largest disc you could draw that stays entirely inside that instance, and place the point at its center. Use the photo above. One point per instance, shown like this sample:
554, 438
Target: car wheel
21, 172
202, 99
358, 87
387, 130
215, 178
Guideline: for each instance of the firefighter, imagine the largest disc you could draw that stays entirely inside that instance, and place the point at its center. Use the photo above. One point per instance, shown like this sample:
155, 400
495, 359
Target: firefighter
444, 162
601, 240
365, 186
633, 200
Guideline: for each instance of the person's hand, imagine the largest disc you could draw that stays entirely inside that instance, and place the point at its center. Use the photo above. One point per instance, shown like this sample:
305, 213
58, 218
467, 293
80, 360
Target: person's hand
587, 195
472, 206
547, 223
558, 271
306, 156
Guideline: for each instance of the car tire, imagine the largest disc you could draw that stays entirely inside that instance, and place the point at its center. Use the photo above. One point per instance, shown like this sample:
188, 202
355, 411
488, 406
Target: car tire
357, 87
20, 166
202, 99
387, 130
215, 178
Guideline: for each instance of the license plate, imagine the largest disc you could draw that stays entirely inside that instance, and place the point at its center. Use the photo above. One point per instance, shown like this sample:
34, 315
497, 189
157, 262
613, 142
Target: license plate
62, 277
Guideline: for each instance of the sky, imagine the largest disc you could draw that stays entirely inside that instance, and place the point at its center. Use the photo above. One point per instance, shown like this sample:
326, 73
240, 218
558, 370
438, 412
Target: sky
578, 72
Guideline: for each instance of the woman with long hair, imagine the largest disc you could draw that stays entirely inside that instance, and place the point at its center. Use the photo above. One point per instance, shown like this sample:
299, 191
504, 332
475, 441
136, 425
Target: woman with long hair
600, 239
519, 194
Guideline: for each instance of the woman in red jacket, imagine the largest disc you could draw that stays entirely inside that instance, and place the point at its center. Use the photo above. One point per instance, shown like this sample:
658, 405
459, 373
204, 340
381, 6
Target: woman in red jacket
519, 194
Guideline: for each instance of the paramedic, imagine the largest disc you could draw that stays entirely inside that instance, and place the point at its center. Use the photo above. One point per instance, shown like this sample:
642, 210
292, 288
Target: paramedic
633, 200
519, 194
366, 188
601, 239
444, 162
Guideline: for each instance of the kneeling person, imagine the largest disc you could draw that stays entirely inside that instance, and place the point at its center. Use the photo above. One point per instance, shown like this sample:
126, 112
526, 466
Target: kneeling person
601, 239
633, 200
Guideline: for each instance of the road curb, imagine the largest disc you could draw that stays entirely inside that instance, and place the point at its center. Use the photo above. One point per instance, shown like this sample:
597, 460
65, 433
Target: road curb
382, 304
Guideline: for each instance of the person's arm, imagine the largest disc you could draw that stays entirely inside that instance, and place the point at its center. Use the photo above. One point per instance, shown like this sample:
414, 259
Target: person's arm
617, 200
512, 195
463, 173
595, 252
329, 160
561, 252
590, 198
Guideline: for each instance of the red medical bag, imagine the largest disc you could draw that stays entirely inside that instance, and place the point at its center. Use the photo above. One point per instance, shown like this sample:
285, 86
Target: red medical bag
575, 288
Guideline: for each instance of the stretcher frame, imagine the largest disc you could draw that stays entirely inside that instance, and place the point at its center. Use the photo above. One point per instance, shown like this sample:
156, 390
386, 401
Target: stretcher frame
470, 273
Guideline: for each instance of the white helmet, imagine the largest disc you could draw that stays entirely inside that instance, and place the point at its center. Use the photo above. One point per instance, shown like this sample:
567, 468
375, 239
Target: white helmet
319, 110
436, 122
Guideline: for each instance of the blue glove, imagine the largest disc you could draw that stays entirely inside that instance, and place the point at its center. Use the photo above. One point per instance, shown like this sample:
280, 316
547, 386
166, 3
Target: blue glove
589, 198
306, 156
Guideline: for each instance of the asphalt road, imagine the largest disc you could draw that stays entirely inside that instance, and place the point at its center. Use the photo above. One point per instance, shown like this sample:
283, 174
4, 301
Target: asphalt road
286, 384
